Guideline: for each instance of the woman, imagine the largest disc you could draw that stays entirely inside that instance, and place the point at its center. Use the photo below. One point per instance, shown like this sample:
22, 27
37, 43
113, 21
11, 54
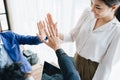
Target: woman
97, 37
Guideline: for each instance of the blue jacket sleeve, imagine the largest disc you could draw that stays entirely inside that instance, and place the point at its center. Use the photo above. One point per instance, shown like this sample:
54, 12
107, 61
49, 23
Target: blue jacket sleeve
22, 39
67, 66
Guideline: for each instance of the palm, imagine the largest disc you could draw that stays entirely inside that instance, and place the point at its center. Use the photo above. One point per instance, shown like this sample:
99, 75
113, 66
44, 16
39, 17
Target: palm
49, 30
53, 42
41, 29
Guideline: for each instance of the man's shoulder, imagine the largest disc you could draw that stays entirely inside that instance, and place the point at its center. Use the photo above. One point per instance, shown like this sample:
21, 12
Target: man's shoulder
7, 33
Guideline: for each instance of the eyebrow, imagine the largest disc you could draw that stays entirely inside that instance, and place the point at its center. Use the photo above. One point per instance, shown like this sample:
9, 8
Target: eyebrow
97, 5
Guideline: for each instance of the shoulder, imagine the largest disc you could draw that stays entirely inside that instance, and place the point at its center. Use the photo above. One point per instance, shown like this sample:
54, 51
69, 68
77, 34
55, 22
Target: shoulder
117, 31
87, 14
117, 26
86, 10
7, 33
10, 34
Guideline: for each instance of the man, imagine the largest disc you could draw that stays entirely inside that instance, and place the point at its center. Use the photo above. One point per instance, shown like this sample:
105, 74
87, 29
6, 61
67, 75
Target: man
66, 64
10, 50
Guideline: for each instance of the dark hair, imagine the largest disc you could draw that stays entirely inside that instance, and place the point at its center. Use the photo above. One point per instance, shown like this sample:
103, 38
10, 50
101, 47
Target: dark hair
110, 3
0, 27
117, 14
12, 72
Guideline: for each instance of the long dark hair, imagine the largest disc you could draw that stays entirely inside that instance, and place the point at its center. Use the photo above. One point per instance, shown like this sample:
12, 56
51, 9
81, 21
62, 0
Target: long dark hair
110, 3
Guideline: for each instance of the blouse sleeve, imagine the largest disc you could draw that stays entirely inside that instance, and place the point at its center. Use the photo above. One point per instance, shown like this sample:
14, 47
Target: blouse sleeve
111, 57
73, 33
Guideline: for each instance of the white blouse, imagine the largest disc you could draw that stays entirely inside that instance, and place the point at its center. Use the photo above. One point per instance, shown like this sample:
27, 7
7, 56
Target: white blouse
101, 45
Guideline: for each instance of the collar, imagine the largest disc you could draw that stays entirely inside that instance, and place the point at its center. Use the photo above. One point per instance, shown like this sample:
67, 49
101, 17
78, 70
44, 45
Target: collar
108, 26
115, 21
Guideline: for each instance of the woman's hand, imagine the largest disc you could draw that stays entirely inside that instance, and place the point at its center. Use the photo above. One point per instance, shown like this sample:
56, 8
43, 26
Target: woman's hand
41, 29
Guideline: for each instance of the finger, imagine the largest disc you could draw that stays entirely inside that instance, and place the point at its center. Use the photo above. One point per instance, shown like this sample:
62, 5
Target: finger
40, 27
46, 30
47, 33
51, 24
49, 28
50, 20
56, 30
43, 24
49, 16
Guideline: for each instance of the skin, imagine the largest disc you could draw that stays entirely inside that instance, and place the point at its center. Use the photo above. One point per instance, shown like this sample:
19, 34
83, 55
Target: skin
51, 32
102, 12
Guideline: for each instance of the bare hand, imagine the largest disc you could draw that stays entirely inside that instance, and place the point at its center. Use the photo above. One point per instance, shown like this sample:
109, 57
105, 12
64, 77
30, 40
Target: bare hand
52, 33
41, 29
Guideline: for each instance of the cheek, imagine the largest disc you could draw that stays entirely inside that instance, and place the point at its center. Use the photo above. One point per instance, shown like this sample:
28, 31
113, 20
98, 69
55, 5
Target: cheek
105, 13
100, 14
96, 12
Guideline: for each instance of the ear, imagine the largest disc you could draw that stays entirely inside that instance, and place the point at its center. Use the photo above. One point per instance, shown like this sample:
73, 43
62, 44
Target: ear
115, 7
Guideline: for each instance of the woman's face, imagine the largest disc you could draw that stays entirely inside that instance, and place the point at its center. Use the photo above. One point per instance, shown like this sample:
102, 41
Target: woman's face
100, 9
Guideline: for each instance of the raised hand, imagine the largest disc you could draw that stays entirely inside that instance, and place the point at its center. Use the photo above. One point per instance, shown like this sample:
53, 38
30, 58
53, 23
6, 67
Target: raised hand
41, 29
52, 25
52, 33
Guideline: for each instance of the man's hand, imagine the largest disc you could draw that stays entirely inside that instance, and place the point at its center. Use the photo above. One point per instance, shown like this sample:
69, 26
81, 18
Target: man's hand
51, 31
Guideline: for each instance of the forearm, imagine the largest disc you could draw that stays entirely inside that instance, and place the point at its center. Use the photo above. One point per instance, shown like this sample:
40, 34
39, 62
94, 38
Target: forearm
66, 38
67, 66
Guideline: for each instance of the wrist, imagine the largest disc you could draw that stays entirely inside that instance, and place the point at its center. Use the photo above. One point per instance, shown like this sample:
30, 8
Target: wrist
59, 52
57, 48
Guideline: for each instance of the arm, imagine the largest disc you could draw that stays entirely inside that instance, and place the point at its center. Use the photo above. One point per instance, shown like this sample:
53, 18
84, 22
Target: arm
67, 66
72, 35
111, 57
31, 40
22, 39
28, 39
